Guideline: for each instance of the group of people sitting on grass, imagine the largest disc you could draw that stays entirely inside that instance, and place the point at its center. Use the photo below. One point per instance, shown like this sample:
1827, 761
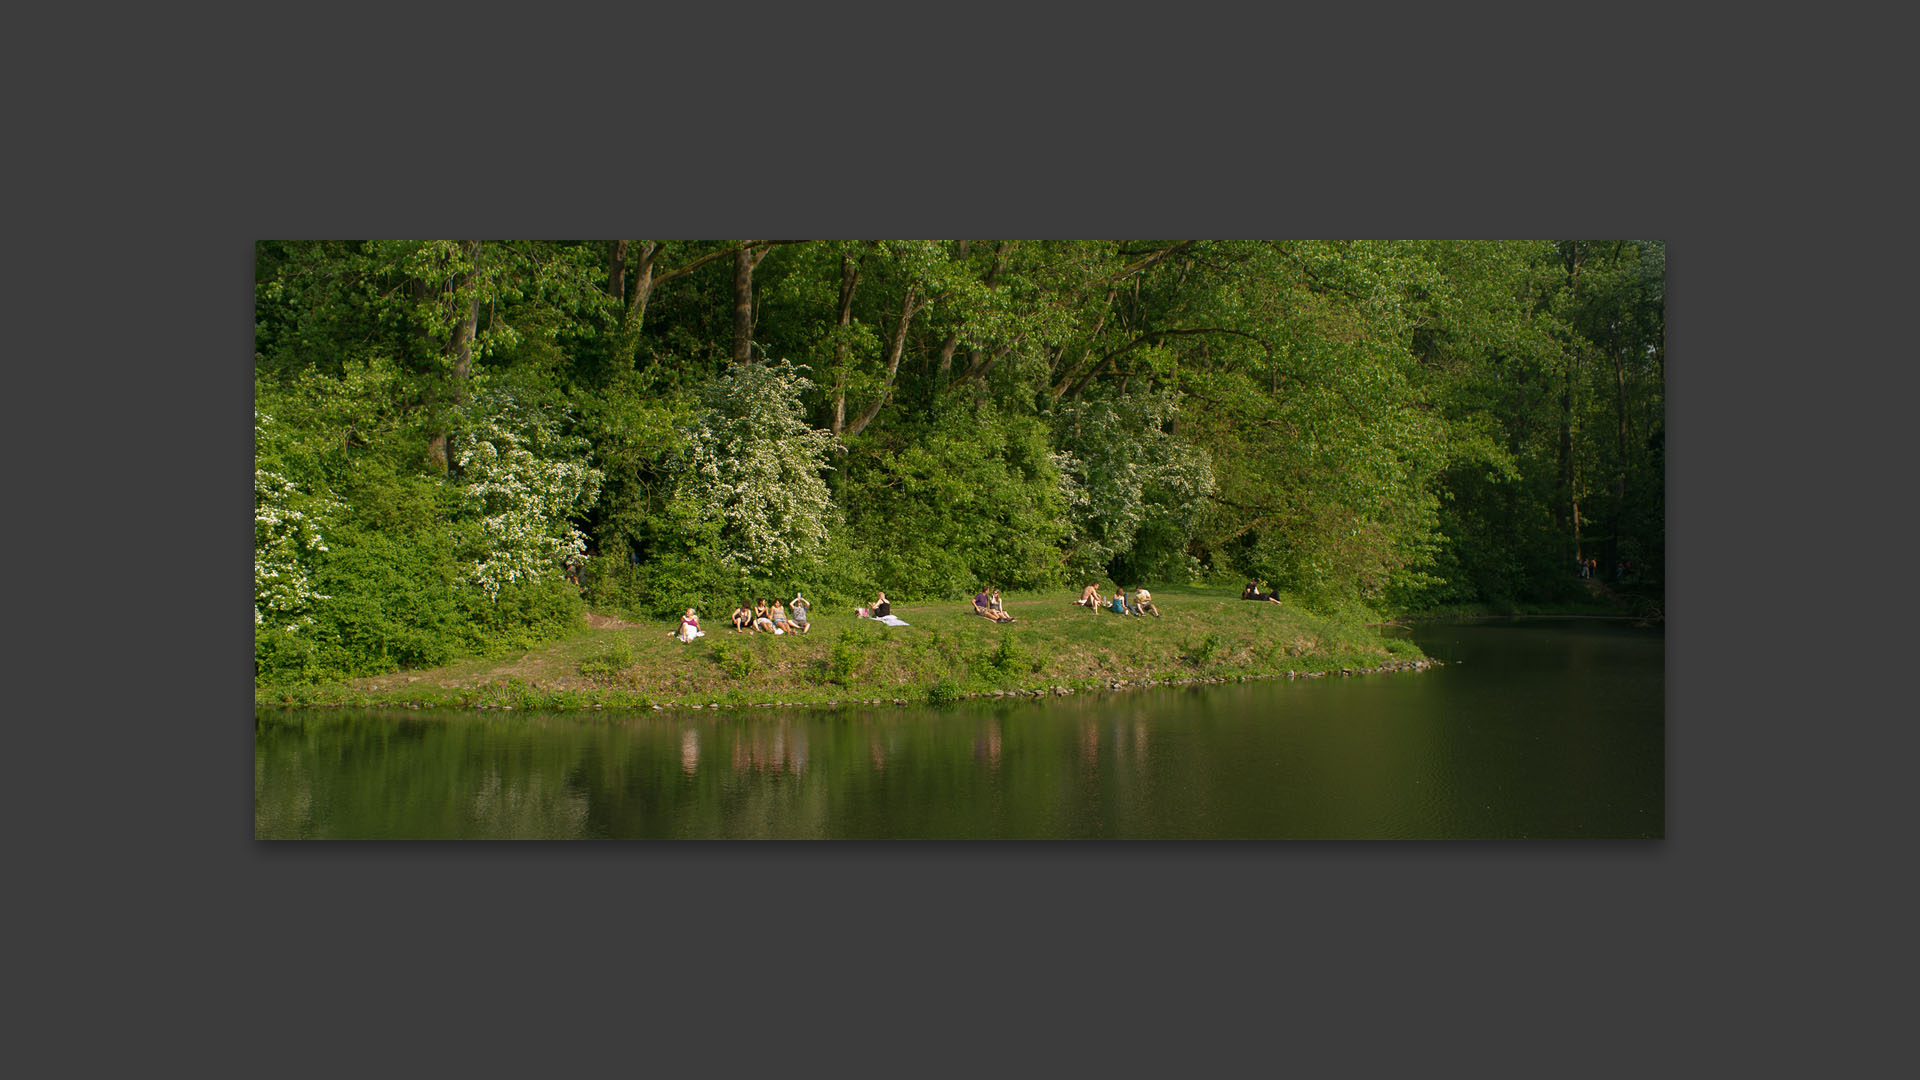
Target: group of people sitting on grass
987, 603
1141, 604
765, 618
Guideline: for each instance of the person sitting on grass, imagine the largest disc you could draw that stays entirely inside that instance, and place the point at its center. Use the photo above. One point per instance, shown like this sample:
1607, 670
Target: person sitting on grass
1089, 597
981, 602
690, 627
999, 609
1118, 605
743, 619
1143, 603
880, 609
780, 623
984, 605
800, 606
762, 617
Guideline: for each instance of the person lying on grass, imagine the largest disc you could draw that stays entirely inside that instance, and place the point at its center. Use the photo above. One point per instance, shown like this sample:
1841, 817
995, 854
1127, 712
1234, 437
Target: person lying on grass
1253, 593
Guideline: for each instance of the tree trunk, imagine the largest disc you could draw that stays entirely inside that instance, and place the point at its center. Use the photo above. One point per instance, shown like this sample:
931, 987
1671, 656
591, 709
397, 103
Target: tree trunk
849, 278
460, 350
908, 308
1567, 506
948, 346
1620, 447
742, 304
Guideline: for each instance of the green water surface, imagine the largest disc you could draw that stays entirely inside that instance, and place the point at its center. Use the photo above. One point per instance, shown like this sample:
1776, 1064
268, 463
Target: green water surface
1533, 728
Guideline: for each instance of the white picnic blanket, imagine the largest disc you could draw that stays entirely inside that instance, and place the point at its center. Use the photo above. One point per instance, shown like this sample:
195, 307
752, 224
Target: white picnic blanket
890, 620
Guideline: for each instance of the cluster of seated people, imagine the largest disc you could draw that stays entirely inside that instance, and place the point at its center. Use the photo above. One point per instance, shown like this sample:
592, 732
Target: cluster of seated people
1252, 592
766, 618
987, 603
1141, 604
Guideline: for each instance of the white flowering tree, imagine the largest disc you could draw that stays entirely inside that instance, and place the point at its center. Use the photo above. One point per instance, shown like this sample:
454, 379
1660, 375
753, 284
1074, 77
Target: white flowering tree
524, 483
753, 471
288, 540
1133, 490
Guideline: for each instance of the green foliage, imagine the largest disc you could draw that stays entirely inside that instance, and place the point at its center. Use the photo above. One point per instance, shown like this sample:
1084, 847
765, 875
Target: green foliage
737, 658
440, 424
969, 496
843, 664
1203, 653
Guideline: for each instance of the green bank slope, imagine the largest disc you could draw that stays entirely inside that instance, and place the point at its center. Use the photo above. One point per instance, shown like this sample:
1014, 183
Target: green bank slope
946, 653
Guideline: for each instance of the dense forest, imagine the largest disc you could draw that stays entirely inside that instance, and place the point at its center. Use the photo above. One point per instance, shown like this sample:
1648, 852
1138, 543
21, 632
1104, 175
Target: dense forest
444, 430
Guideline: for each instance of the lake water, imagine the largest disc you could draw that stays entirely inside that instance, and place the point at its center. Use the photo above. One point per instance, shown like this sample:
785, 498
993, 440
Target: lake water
1533, 728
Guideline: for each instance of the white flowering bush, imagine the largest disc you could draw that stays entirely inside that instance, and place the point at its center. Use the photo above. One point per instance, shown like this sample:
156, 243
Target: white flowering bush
523, 484
288, 541
1132, 491
753, 470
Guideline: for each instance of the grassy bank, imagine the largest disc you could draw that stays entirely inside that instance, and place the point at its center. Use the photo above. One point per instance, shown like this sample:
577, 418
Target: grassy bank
945, 654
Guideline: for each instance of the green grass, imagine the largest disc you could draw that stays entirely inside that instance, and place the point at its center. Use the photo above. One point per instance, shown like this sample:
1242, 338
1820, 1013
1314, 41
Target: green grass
946, 653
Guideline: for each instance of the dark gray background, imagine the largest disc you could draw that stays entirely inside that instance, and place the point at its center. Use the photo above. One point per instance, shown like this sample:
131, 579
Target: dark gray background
157, 152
